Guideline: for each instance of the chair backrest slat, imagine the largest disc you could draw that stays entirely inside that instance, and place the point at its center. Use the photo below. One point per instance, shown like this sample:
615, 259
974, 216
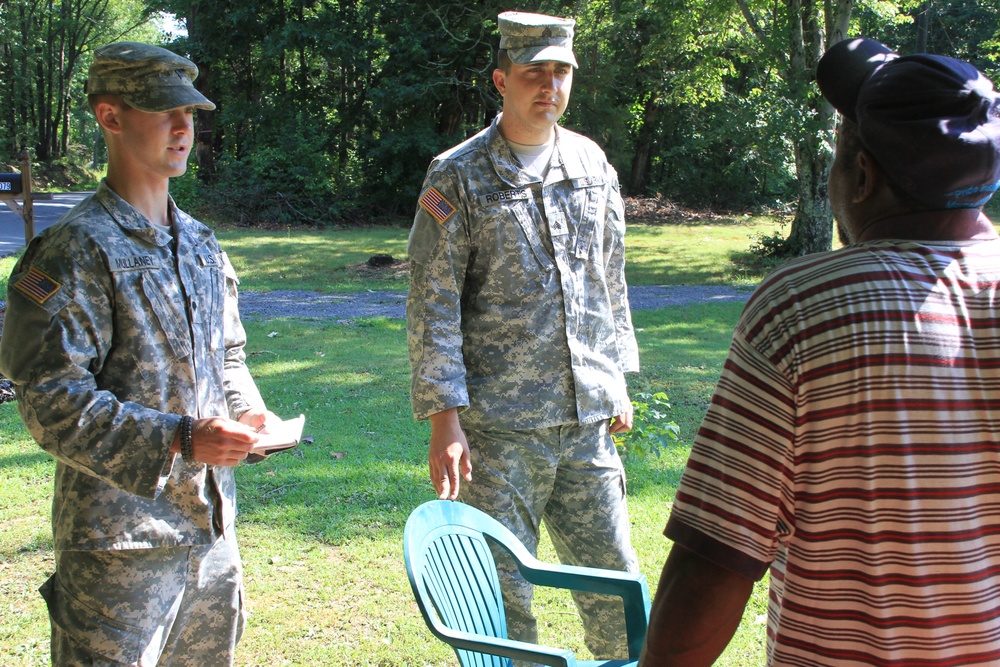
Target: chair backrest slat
459, 574
449, 552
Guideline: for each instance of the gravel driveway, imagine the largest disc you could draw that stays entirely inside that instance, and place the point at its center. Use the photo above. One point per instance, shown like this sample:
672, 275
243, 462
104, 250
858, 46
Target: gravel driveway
298, 303
313, 305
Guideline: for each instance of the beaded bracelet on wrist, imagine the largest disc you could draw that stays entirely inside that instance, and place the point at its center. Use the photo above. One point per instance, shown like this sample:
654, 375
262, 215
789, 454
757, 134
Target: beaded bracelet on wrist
187, 440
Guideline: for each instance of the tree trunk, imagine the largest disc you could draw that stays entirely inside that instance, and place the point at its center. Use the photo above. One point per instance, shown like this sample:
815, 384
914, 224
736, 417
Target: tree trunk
643, 149
204, 145
98, 154
812, 227
924, 26
810, 24
205, 139
42, 153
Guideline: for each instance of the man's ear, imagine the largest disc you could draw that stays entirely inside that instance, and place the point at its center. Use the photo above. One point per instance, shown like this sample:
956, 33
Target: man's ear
868, 177
108, 116
500, 81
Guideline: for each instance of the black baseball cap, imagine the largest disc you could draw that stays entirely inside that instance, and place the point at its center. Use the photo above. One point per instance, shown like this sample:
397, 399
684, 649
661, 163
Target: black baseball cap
931, 122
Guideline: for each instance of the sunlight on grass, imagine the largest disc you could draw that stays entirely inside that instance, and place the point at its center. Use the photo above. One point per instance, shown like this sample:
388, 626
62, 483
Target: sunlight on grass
6, 266
319, 260
25, 543
705, 253
712, 253
321, 525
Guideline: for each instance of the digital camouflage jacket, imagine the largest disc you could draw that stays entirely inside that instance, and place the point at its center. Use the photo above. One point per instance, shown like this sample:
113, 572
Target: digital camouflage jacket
518, 308
110, 339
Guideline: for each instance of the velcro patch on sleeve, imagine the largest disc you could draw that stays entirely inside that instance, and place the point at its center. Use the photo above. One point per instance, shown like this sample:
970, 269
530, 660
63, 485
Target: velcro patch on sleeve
434, 203
37, 286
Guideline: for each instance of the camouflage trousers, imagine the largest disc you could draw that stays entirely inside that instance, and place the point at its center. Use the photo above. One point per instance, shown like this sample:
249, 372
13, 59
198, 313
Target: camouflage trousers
168, 607
570, 477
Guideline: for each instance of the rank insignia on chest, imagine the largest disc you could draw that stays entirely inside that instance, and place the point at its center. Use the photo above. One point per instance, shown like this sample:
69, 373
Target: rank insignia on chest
37, 286
434, 203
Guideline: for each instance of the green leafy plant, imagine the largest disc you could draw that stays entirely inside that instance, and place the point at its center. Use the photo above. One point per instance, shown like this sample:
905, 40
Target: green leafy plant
768, 246
651, 428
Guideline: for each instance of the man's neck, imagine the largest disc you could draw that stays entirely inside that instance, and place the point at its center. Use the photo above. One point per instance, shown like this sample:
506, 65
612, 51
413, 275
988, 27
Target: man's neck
528, 136
151, 199
961, 224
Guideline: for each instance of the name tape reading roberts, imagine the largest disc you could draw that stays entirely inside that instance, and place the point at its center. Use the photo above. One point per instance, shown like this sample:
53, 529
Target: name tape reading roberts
504, 195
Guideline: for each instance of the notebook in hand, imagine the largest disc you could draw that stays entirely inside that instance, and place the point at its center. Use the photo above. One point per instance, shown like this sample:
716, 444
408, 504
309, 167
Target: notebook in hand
279, 435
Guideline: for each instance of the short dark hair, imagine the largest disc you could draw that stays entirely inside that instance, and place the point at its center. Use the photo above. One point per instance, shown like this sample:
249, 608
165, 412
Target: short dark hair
849, 136
503, 61
112, 98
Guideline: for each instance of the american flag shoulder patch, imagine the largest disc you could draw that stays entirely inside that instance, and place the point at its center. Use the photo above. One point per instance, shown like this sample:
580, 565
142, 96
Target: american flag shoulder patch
37, 286
434, 203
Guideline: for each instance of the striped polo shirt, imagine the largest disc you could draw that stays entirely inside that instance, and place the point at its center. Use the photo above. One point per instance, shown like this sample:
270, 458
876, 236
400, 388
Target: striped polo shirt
851, 447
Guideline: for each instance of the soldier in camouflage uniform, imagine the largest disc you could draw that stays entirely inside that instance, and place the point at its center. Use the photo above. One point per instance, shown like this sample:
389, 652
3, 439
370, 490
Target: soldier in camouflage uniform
519, 327
124, 341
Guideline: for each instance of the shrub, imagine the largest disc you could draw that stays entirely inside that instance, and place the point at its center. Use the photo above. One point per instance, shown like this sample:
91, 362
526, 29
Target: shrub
651, 429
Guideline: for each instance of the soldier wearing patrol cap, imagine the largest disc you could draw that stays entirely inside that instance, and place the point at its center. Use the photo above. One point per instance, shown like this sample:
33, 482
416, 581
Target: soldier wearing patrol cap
519, 327
124, 342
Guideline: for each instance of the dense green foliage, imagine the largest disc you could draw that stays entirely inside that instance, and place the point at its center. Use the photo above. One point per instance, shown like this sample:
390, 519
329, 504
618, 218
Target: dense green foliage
330, 110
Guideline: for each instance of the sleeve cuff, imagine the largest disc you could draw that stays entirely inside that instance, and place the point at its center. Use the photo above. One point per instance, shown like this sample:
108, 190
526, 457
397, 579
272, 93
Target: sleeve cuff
715, 551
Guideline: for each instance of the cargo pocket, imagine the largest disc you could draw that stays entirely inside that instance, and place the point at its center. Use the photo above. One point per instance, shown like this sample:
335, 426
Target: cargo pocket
104, 636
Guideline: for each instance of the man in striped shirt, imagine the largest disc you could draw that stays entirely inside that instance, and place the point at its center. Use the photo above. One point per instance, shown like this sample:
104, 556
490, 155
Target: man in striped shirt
851, 445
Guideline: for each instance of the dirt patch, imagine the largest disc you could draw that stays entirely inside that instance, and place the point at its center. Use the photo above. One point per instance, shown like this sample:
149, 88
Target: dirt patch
393, 269
659, 210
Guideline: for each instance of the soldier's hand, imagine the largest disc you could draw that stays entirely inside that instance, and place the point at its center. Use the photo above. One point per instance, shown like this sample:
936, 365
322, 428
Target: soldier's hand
448, 456
622, 423
258, 418
221, 442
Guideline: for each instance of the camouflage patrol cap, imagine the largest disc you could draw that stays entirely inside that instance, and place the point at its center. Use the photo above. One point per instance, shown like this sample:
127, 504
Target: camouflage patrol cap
148, 77
531, 38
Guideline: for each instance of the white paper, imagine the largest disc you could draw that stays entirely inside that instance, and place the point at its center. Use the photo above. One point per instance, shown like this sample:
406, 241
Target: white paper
279, 435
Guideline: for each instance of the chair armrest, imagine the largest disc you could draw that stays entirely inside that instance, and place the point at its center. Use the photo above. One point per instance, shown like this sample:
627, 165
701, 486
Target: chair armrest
631, 587
507, 648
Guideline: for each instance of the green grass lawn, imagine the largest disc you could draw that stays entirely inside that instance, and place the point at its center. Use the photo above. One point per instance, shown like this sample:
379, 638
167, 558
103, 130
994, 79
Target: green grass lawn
321, 526
710, 252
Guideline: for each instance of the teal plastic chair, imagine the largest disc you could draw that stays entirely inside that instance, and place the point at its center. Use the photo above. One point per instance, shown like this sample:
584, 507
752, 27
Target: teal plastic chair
454, 579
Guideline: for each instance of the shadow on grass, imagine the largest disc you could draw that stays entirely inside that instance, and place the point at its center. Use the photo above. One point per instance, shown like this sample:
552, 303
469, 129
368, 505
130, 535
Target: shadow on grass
332, 502
24, 460
39, 544
367, 466
681, 350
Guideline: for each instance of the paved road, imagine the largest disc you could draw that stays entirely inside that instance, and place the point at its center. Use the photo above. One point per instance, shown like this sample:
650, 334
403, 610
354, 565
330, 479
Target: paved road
47, 211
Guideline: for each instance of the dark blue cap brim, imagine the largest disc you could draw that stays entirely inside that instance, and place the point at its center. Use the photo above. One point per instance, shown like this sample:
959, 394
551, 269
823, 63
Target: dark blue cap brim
845, 67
